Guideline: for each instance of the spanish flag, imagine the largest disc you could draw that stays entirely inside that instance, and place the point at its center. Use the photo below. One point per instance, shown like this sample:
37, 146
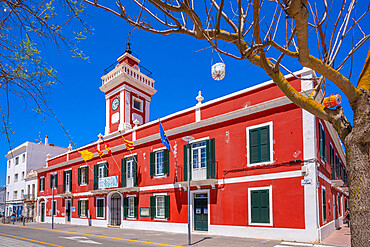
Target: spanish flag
86, 155
107, 147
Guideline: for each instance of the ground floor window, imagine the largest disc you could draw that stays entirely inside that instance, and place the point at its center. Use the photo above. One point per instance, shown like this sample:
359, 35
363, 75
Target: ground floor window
160, 206
100, 207
131, 204
83, 207
323, 192
260, 208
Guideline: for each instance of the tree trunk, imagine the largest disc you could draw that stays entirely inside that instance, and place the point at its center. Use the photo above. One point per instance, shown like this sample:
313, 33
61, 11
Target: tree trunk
358, 170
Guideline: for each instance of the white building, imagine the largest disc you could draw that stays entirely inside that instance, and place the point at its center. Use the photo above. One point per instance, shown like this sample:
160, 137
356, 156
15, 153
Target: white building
29, 203
20, 160
2, 199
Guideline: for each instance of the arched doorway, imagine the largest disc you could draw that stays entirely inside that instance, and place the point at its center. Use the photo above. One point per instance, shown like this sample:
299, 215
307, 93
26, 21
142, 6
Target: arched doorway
115, 210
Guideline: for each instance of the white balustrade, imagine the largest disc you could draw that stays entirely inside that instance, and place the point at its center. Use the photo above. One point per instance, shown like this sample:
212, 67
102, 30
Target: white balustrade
128, 70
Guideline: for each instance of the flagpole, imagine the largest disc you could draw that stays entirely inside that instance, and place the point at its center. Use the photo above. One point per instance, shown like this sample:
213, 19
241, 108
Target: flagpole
129, 149
119, 169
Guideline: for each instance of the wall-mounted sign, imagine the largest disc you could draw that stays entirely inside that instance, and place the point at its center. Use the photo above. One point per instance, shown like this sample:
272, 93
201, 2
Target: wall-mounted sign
307, 181
144, 211
108, 182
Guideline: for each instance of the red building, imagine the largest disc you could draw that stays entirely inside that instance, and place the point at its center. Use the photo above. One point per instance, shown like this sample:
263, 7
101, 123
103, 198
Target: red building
260, 166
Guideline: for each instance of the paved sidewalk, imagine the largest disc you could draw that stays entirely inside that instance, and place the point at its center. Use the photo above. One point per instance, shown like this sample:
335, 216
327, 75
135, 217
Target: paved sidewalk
340, 237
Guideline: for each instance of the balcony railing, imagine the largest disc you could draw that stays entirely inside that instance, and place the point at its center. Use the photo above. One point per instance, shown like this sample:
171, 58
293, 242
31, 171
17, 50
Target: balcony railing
29, 197
128, 71
210, 173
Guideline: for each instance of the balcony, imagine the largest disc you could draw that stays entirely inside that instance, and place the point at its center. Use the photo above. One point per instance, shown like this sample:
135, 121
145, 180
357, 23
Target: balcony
29, 197
202, 177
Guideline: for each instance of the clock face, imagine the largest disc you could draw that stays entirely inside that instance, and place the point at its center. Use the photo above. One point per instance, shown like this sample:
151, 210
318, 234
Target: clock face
115, 104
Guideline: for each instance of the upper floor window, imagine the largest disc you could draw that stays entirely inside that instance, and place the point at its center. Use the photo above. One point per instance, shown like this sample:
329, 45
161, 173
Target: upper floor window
16, 160
337, 163
53, 181
16, 177
100, 171
202, 159
42, 184
67, 181
23, 158
129, 171
8, 179
259, 143
332, 164
83, 175
322, 143
15, 194
137, 104
159, 162
22, 175
8, 163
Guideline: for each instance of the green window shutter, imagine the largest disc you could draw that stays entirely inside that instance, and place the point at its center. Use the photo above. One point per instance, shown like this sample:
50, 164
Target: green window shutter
324, 146
123, 172
79, 176
152, 164
40, 184
96, 181
321, 146
265, 209
51, 181
265, 143
135, 170
255, 206
125, 207
43, 183
152, 206
166, 161
136, 203
86, 207
87, 174
79, 208
167, 208
254, 155
337, 166
106, 169
64, 181
99, 208
332, 163
186, 162
70, 180
260, 206
324, 204
56, 180
210, 158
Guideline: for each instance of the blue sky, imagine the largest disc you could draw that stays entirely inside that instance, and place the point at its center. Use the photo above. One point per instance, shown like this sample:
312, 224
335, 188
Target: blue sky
179, 72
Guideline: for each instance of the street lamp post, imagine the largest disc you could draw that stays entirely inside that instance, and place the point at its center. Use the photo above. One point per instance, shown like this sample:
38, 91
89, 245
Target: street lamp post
52, 200
188, 139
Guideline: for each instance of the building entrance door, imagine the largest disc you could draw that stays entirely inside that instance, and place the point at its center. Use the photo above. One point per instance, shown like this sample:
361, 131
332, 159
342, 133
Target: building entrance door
68, 210
42, 212
200, 212
115, 212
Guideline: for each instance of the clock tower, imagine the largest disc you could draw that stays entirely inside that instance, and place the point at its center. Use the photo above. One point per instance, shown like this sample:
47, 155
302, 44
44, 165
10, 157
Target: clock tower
128, 94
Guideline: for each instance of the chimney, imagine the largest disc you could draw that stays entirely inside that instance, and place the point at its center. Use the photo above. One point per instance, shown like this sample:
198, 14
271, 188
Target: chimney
46, 140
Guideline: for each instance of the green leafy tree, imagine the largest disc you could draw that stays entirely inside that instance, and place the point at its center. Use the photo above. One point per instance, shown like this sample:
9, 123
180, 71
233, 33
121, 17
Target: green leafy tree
273, 35
24, 27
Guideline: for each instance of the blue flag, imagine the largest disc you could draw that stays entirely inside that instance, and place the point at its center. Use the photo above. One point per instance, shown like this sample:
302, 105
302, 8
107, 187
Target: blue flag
164, 137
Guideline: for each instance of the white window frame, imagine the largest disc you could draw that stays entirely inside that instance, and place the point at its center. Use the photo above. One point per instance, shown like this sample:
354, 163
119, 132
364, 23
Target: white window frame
23, 158
68, 180
83, 182
100, 198
15, 177
157, 216
157, 173
101, 166
138, 100
9, 163
15, 194
43, 183
83, 208
8, 179
17, 160
269, 188
22, 175
271, 135
322, 204
131, 198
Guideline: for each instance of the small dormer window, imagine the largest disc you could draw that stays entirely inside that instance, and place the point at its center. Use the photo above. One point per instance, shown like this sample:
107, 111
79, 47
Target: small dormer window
137, 104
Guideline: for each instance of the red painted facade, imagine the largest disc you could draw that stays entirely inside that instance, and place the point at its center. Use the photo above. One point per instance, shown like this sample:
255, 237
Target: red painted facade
229, 193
